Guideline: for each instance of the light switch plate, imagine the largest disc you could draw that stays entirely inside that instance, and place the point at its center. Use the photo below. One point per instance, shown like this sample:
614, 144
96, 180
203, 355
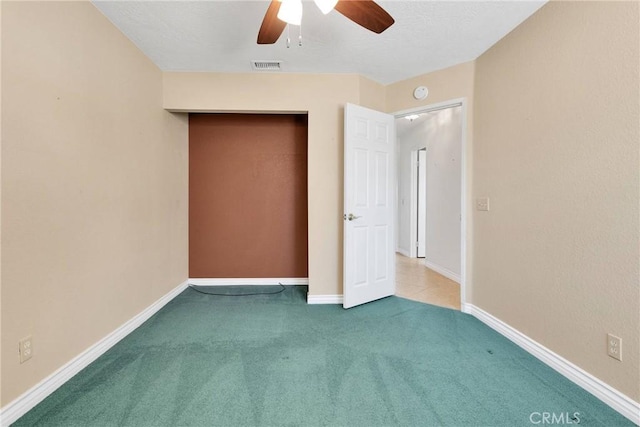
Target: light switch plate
482, 204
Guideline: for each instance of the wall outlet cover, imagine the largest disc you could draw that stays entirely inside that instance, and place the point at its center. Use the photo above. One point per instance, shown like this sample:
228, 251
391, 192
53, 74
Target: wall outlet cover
25, 347
614, 347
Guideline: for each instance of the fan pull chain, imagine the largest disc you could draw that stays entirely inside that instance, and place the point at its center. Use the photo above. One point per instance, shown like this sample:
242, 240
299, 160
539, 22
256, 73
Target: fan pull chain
288, 38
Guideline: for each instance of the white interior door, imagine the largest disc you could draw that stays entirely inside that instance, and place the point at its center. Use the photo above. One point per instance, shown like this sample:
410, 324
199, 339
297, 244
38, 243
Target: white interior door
422, 203
369, 159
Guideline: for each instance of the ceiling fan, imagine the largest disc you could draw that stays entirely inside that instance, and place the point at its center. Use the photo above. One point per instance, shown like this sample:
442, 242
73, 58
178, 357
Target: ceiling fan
365, 13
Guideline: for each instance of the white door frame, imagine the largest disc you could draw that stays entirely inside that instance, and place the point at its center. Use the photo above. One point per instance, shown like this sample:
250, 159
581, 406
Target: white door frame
421, 184
464, 191
413, 201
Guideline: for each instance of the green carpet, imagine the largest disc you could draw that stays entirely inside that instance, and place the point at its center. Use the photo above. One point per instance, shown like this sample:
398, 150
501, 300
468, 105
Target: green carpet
273, 360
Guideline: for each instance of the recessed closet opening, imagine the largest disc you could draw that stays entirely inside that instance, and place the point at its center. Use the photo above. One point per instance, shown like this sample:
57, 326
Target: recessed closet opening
248, 197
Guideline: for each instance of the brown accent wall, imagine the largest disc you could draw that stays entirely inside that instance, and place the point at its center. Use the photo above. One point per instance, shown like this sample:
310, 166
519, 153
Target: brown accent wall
247, 195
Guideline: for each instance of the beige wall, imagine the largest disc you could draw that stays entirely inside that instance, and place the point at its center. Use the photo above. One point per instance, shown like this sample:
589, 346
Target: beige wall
556, 149
323, 96
444, 85
372, 94
94, 185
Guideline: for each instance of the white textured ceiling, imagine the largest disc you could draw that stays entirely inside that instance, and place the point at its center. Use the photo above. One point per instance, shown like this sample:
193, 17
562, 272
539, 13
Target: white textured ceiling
220, 36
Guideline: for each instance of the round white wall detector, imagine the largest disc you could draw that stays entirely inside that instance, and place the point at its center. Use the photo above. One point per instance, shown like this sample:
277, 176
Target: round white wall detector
420, 92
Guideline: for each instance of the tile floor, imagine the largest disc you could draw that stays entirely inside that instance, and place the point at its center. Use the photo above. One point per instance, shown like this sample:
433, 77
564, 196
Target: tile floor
417, 282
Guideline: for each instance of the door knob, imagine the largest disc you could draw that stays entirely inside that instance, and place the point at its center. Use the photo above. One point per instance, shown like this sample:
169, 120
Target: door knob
351, 217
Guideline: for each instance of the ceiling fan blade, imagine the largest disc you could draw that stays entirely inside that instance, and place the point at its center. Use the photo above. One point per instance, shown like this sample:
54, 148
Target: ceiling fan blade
366, 13
271, 27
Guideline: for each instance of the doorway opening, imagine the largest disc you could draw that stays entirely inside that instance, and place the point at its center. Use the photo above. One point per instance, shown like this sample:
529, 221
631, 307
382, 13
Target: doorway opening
431, 208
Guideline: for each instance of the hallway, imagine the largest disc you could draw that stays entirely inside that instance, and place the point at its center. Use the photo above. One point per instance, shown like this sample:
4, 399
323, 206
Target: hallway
416, 282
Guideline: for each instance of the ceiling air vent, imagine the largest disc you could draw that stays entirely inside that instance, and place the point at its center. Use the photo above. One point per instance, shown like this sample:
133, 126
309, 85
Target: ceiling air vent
266, 65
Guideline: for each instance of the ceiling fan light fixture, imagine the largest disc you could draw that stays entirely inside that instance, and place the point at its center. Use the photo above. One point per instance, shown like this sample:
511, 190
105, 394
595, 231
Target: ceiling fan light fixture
291, 12
326, 6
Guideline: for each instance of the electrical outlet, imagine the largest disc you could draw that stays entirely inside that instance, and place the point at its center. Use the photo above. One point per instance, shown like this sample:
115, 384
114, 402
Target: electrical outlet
25, 347
482, 204
614, 347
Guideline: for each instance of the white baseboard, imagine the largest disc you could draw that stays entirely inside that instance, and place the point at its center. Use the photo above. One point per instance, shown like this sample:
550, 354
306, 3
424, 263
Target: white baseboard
36, 394
612, 397
324, 299
444, 271
403, 252
260, 281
